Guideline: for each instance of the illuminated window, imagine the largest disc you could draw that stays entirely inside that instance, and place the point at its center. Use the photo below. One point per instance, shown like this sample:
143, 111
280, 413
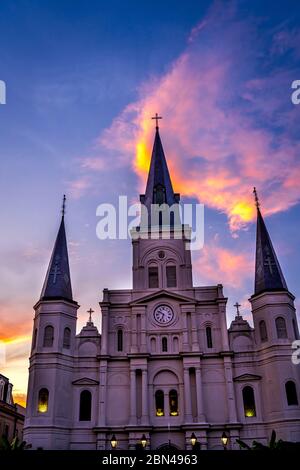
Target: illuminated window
43, 400
281, 328
159, 403
171, 276
263, 331
291, 393
67, 338
120, 340
34, 339
48, 336
249, 402
85, 409
164, 345
173, 403
153, 277
209, 337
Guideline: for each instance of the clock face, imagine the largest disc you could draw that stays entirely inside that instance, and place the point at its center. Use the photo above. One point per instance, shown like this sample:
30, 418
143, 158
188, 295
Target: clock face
163, 314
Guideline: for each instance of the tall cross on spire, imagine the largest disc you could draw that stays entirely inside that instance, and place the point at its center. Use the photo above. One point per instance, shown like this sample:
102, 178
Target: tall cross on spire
63, 207
156, 117
90, 311
237, 305
256, 198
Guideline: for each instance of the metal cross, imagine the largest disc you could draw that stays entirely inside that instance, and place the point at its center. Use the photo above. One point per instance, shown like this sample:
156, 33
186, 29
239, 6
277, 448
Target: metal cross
156, 117
63, 209
269, 262
90, 311
256, 197
56, 270
237, 305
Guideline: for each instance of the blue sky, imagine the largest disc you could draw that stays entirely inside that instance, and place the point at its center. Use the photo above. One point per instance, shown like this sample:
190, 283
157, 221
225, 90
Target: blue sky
83, 78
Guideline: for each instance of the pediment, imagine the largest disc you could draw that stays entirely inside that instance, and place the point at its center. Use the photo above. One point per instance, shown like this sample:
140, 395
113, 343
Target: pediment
163, 293
246, 377
85, 381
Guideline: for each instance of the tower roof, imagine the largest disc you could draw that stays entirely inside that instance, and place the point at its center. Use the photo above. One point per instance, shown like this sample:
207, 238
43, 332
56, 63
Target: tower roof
268, 274
57, 283
159, 189
159, 173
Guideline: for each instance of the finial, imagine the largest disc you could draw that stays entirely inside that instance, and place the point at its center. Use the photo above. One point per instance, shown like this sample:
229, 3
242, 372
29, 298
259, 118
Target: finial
63, 208
256, 198
90, 311
237, 305
156, 117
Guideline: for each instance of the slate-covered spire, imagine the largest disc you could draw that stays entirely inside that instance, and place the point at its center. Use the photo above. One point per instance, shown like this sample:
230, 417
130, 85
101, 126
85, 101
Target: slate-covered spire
57, 284
159, 188
268, 274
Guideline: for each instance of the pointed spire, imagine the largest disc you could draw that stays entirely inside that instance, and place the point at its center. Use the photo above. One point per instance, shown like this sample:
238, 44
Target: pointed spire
57, 284
159, 188
268, 274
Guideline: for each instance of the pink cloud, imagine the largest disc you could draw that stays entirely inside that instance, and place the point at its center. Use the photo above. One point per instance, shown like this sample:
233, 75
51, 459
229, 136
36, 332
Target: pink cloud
215, 262
215, 148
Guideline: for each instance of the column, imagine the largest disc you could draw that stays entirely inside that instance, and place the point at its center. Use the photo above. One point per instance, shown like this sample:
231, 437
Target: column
104, 329
195, 343
143, 332
223, 325
133, 396
200, 411
145, 409
133, 348
187, 395
185, 336
232, 414
102, 393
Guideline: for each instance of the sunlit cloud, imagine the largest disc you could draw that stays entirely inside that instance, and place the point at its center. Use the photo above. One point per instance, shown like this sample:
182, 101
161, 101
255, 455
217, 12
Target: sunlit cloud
217, 139
216, 262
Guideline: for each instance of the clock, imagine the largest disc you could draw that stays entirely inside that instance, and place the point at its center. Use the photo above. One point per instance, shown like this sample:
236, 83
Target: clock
163, 314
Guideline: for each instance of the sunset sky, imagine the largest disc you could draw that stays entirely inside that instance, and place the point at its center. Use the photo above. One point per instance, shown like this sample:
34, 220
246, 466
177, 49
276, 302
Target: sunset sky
83, 80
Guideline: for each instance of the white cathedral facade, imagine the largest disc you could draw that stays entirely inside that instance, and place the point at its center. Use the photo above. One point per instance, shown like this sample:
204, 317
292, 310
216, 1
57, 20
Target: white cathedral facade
165, 366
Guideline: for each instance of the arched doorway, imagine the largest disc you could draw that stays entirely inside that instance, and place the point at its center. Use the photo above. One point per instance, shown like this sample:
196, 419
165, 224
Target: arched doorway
168, 447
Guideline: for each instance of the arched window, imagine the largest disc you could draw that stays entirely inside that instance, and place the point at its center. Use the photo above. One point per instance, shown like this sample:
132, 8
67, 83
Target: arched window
175, 344
159, 403
67, 338
43, 400
120, 340
48, 336
249, 402
171, 276
291, 393
173, 403
209, 337
164, 344
34, 339
159, 195
281, 327
153, 277
153, 345
85, 408
263, 331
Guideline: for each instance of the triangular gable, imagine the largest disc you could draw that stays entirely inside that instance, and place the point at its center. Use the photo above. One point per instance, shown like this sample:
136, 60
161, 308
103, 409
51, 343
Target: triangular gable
246, 377
163, 293
85, 381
